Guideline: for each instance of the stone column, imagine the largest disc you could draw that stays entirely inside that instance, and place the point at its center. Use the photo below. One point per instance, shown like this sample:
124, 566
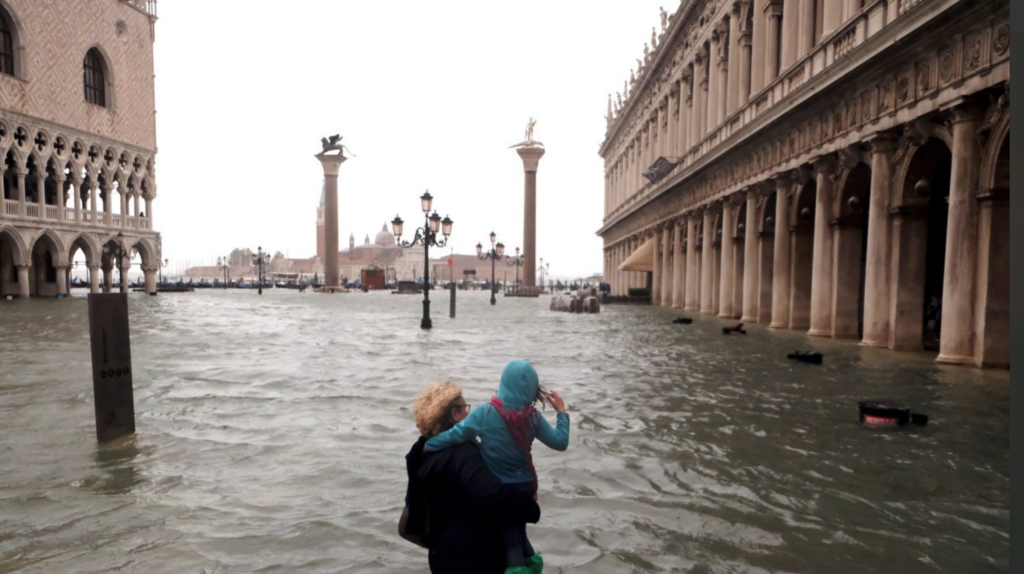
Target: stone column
62, 280
150, 273
773, 43
908, 245
23, 284
672, 123
725, 284
20, 173
956, 345
707, 264
821, 274
993, 318
62, 196
123, 275
108, 277
3, 207
331, 164
692, 301
738, 258
832, 18
790, 33
745, 70
531, 158
41, 191
125, 206
704, 89
667, 270
750, 261
678, 268
714, 83
765, 271
93, 200
806, 41
656, 283
780, 285
876, 291
76, 182
686, 114
94, 278
758, 46
108, 204
698, 98
149, 210
733, 92
847, 270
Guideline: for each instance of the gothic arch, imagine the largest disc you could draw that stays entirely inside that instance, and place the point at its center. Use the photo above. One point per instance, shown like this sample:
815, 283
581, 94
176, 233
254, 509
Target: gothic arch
58, 250
18, 39
902, 161
18, 248
108, 77
146, 250
990, 157
88, 246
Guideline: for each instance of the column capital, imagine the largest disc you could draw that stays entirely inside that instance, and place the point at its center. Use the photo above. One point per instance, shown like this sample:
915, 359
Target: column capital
773, 8
882, 143
23, 266
93, 266
825, 165
531, 156
21, 171
966, 109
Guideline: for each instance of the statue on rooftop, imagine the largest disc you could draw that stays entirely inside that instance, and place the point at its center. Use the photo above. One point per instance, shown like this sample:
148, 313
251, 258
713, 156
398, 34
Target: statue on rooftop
664, 19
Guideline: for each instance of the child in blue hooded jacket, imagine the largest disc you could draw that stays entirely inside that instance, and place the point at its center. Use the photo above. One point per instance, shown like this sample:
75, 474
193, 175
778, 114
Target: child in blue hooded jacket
507, 426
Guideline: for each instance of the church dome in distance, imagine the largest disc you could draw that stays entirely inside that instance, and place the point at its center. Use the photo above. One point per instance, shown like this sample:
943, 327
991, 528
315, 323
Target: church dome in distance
385, 238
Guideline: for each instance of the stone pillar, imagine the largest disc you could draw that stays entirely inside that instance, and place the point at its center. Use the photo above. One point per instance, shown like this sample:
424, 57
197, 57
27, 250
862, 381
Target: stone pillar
725, 283
692, 301
745, 70
821, 278
656, 283
23, 284
765, 272
738, 258
678, 268
993, 317
847, 270
832, 18
667, 271
149, 211
125, 207
780, 274
750, 261
907, 248
150, 273
62, 280
3, 207
93, 200
123, 275
758, 46
876, 279
686, 114
108, 204
331, 164
707, 264
806, 41
714, 81
698, 100
672, 125
20, 173
773, 43
957, 344
108, 277
790, 33
41, 191
62, 196
94, 278
77, 198
732, 97
531, 158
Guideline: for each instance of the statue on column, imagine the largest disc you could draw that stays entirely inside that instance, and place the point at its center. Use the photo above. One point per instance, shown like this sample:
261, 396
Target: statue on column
664, 19
529, 130
333, 144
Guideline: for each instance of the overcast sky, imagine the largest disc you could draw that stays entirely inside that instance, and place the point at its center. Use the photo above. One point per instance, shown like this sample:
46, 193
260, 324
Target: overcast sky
427, 94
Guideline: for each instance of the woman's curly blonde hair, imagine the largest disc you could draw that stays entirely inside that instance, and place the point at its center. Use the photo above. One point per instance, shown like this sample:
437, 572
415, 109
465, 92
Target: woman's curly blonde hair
433, 407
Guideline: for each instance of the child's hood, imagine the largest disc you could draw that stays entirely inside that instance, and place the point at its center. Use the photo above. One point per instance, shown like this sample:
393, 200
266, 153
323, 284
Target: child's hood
519, 383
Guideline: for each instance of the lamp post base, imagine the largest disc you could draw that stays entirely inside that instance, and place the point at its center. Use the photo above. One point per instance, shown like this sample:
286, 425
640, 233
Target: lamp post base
425, 323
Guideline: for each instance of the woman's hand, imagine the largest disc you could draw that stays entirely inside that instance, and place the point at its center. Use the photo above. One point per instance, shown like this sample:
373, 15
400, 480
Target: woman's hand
555, 400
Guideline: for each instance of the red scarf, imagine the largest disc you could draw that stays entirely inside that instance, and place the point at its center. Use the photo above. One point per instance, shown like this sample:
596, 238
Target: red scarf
518, 425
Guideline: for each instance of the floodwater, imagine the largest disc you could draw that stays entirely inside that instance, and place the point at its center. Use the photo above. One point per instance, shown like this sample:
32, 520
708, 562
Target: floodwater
272, 432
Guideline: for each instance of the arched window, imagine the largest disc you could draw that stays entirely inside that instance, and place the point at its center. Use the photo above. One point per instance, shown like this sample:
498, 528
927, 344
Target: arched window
95, 78
6, 43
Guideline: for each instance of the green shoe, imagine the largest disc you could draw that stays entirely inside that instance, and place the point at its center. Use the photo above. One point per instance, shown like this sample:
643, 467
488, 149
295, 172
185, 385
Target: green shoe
518, 570
535, 563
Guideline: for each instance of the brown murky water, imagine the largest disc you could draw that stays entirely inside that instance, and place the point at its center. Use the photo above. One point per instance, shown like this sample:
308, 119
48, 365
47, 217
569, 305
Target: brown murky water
272, 431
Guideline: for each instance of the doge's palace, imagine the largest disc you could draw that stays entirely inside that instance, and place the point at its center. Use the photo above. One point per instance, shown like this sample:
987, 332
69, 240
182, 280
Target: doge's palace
836, 167
78, 142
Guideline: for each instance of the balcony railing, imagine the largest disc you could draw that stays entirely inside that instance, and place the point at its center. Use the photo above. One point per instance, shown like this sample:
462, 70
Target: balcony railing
32, 209
69, 213
11, 207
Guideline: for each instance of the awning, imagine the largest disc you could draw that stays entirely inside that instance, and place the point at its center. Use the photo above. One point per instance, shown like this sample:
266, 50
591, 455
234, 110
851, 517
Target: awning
642, 259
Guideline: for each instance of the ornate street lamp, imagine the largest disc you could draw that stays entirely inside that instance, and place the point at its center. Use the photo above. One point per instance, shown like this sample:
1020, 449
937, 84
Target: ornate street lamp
516, 262
496, 252
120, 255
161, 269
259, 259
427, 236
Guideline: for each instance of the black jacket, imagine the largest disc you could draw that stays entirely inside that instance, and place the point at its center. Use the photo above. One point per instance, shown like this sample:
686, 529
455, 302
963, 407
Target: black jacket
464, 505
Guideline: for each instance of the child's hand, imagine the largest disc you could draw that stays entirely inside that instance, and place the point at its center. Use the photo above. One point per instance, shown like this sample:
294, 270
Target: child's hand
555, 400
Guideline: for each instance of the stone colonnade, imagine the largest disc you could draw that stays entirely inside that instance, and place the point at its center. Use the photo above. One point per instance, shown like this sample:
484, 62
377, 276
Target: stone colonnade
900, 240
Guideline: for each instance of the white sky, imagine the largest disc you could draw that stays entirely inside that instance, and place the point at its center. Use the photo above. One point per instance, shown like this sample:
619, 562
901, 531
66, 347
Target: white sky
428, 95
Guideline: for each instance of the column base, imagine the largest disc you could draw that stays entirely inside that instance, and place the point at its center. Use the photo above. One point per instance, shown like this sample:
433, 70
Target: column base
724, 315
876, 344
677, 306
845, 336
819, 333
955, 360
748, 319
778, 326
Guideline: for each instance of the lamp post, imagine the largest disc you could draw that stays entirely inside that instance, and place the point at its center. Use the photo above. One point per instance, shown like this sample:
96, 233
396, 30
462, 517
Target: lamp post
517, 262
161, 269
496, 252
259, 259
427, 236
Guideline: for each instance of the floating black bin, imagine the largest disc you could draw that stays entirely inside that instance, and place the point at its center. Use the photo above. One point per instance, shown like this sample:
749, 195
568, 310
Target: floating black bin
811, 357
683, 321
737, 330
884, 413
